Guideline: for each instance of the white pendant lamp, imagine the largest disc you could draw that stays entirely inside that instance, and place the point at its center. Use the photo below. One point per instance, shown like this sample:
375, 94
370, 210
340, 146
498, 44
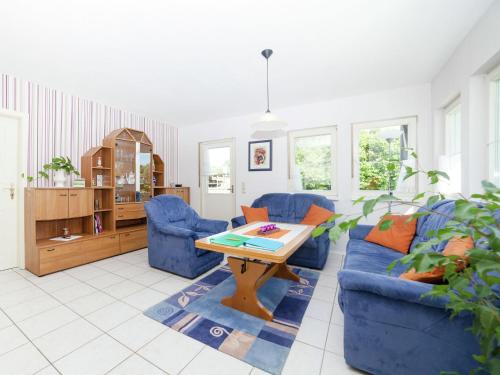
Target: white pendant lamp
268, 122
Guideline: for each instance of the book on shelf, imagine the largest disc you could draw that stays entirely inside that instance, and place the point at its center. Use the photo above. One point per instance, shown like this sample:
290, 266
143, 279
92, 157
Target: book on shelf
98, 228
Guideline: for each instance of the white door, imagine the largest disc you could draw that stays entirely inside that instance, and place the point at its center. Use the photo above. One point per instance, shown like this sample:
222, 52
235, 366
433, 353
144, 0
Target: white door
12, 162
217, 179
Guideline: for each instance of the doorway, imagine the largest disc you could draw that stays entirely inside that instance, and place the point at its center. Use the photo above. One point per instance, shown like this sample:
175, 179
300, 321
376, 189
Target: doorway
13, 164
218, 198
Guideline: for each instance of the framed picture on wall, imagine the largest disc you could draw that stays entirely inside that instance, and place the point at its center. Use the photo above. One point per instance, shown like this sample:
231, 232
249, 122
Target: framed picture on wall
260, 155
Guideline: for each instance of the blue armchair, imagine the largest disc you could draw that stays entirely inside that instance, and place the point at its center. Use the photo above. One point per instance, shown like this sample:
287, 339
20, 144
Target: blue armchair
173, 227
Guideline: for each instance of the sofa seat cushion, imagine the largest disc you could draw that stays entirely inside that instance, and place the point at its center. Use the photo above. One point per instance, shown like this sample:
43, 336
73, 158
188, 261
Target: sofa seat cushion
372, 258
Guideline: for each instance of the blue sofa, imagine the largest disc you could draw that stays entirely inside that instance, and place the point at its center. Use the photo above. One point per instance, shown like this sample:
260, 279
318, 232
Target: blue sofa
388, 327
291, 208
173, 227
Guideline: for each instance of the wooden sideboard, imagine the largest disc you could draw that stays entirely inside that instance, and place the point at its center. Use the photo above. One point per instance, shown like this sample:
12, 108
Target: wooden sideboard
181, 192
48, 211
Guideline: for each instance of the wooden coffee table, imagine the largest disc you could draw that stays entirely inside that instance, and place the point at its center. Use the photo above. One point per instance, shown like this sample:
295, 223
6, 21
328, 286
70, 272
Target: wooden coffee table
252, 268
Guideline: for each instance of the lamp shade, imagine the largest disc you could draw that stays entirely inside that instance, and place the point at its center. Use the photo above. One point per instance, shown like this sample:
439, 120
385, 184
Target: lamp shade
269, 122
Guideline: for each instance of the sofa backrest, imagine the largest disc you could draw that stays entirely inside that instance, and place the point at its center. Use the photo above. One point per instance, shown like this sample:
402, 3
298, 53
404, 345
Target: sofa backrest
291, 208
435, 221
169, 209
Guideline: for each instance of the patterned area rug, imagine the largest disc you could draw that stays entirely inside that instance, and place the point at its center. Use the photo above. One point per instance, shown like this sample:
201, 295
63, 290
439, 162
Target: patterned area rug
197, 312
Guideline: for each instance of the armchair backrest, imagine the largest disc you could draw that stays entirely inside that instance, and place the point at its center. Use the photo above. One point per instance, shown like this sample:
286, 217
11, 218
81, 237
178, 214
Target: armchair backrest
169, 209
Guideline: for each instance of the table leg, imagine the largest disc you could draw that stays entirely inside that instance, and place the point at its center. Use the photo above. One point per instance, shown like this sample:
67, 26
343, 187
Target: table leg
249, 276
284, 272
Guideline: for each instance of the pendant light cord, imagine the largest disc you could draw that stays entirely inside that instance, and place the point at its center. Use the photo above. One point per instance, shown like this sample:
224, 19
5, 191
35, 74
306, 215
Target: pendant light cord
267, 82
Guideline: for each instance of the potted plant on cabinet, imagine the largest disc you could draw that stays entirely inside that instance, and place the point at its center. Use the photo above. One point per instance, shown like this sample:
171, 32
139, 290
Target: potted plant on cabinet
62, 167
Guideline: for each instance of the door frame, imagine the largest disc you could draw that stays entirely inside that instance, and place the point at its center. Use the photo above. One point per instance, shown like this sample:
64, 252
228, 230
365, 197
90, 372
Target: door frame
22, 158
233, 168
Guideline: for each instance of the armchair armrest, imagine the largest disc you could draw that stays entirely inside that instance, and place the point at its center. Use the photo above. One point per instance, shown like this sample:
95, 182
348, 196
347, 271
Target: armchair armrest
389, 287
212, 226
238, 221
360, 232
171, 230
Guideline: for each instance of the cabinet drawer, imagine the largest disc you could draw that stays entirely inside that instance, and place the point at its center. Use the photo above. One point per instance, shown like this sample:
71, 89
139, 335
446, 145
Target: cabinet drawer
55, 258
130, 211
133, 240
100, 248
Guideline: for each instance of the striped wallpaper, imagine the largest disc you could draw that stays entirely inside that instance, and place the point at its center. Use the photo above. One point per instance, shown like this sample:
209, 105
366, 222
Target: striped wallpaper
63, 124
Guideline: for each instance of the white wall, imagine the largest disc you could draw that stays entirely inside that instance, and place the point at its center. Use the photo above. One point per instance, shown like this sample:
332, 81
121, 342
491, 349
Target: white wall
403, 102
464, 75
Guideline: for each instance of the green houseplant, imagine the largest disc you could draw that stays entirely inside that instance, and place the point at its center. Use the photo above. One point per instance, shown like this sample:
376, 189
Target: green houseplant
474, 289
62, 167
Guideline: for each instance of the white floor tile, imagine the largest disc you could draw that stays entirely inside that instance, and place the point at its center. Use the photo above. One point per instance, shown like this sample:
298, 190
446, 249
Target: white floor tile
324, 293
129, 271
337, 315
313, 332
10, 338
14, 285
171, 285
144, 299
94, 358
65, 339
47, 321
25, 360
137, 332
31, 308
103, 281
123, 289
320, 310
4, 321
171, 351
25, 273
9, 275
14, 298
85, 272
150, 277
112, 315
59, 283
327, 280
335, 364
136, 365
258, 371
112, 265
73, 292
211, 361
335, 340
49, 370
89, 304
303, 359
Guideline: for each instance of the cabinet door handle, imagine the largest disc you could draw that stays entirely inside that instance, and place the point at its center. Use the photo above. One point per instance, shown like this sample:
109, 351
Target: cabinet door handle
73, 195
112, 237
126, 235
121, 208
51, 249
63, 195
120, 215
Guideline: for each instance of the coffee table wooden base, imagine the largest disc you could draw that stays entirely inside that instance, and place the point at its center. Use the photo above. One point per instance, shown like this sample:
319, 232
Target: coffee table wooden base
250, 276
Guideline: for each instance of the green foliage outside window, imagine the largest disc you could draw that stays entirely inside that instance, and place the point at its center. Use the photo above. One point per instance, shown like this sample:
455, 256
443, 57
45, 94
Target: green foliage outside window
313, 158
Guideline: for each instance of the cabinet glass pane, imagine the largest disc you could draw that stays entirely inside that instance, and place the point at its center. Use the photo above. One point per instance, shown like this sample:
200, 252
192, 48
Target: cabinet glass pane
143, 188
125, 171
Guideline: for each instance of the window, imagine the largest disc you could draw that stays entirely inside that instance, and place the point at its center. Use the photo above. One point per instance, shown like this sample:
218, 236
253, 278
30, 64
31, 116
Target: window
219, 177
312, 160
494, 133
451, 162
378, 145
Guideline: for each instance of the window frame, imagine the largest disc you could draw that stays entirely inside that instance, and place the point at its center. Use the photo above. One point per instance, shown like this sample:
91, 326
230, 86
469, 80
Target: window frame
451, 108
494, 106
356, 129
311, 132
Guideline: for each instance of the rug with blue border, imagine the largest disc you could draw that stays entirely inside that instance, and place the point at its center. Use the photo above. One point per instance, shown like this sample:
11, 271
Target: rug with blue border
196, 311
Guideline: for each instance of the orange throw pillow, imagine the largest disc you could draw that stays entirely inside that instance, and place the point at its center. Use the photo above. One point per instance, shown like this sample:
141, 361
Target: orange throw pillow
398, 237
255, 214
456, 246
316, 215
432, 277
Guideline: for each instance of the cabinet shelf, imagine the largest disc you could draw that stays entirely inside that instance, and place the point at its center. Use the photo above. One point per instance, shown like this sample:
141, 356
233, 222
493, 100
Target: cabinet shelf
103, 210
103, 168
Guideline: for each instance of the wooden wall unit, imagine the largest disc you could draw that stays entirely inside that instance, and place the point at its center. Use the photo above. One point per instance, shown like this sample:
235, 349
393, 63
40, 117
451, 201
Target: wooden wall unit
112, 198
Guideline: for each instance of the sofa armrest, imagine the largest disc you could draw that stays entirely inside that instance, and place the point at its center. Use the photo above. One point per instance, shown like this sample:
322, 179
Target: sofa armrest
360, 232
171, 230
389, 287
238, 221
212, 226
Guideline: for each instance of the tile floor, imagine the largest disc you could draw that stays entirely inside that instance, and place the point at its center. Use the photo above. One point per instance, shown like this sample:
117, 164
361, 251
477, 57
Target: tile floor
88, 320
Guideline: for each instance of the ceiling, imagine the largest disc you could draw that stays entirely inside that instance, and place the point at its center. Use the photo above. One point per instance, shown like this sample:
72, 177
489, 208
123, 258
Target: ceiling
189, 61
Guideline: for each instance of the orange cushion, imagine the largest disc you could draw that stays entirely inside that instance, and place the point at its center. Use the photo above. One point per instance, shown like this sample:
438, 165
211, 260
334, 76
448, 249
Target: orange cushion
432, 277
255, 214
398, 237
456, 246
316, 215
